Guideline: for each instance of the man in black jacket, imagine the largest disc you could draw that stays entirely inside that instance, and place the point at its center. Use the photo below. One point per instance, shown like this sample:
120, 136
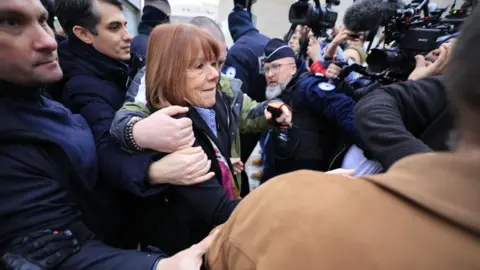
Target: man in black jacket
49, 213
407, 118
155, 12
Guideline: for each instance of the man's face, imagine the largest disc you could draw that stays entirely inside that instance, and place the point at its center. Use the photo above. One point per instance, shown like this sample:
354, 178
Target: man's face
280, 71
113, 38
28, 50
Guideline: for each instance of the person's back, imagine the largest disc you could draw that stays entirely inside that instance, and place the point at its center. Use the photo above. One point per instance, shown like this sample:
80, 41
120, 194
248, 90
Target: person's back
408, 218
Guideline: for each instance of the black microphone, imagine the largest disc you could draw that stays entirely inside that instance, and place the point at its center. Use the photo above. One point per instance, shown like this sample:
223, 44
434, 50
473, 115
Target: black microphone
366, 15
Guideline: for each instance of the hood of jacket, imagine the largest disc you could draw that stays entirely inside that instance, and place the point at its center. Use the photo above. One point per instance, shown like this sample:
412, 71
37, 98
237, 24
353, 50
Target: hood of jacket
240, 24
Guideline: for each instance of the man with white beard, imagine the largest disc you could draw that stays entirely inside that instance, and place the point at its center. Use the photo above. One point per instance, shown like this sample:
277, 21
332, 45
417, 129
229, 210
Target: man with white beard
322, 117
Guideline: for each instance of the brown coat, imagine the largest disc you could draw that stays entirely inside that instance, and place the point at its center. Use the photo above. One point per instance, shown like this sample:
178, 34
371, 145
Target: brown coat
424, 213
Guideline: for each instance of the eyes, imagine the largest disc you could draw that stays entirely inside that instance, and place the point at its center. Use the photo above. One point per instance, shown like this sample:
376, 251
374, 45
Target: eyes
9, 22
16, 22
201, 66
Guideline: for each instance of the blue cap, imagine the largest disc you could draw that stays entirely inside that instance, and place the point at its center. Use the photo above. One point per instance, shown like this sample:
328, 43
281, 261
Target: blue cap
277, 49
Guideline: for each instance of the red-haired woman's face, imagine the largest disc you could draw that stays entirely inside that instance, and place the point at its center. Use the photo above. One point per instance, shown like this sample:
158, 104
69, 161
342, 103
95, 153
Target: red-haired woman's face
202, 81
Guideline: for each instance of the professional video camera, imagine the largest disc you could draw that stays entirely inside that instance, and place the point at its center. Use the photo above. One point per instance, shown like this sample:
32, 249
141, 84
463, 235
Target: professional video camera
408, 33
317, 17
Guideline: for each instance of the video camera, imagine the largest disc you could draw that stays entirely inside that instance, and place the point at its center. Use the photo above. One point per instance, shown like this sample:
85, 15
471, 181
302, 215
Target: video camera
317, 17
409, 33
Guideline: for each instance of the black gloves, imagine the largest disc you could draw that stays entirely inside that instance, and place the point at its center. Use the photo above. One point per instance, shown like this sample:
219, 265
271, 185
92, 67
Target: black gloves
244, 3
40, 250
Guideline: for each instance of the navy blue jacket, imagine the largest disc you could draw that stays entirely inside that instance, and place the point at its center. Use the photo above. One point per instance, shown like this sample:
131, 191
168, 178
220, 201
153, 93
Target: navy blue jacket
95, 86
48, 176
245, 58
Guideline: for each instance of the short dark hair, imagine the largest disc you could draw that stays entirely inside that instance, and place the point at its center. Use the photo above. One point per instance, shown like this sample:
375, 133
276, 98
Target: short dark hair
462, 74
71, 13
48, 5
210, 26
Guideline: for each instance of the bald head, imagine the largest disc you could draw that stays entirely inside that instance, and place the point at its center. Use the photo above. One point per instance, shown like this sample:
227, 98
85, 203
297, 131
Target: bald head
210, 26
214, 30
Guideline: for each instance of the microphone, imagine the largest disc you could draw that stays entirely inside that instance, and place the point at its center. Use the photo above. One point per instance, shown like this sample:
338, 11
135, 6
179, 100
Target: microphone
365, 15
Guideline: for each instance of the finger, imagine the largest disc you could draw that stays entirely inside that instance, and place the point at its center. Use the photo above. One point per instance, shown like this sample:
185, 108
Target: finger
202, 247
58, 257
174, 110
268, 115
184, 123
53, 247
419, 61
184, 133
344, 172
186, 142
204, 178
201, 169
200, 175
42, 241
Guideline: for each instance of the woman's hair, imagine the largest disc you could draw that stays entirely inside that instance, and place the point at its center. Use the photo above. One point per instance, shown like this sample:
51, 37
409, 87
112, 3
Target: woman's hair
172, 50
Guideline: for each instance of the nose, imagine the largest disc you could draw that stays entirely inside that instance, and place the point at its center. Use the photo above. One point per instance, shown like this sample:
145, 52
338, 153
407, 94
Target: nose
212, 74
269, 74
44, 39
127, 36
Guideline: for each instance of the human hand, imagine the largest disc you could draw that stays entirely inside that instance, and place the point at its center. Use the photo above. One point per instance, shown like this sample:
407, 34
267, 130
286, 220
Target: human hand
285, 118
39, 250
424, 68
184, 167
313, 48
161, 132
238, 165
345, 35
333, 70
189, 259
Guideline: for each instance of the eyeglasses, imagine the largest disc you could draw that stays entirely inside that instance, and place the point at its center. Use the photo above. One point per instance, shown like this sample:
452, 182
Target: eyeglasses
274, 68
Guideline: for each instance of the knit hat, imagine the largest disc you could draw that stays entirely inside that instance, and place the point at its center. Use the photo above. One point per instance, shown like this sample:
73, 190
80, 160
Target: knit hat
360, 51
277, 49
161, 5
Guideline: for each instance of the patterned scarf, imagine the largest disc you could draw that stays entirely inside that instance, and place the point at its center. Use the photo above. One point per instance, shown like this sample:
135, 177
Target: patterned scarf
228, 182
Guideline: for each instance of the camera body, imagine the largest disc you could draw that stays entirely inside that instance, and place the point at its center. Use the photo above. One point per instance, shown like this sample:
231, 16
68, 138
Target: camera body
410, 34
317, 17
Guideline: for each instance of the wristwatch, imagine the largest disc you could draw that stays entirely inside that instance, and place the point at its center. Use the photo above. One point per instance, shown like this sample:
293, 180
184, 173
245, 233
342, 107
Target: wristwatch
129, 134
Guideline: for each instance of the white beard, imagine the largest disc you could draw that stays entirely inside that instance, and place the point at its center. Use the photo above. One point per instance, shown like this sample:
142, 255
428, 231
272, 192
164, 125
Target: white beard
274, 91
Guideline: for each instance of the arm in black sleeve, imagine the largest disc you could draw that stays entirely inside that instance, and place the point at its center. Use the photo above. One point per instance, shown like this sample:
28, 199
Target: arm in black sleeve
34, 197
390, 119
98, 106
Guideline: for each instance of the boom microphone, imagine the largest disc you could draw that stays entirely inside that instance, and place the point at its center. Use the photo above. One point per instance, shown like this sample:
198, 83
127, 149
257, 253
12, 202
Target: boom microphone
365, 15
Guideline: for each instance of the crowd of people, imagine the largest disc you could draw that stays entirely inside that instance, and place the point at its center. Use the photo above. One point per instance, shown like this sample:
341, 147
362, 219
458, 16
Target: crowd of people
122, 152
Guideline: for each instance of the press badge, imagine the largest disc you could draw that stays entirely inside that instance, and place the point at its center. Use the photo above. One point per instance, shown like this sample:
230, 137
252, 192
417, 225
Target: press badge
325, 86
231, 72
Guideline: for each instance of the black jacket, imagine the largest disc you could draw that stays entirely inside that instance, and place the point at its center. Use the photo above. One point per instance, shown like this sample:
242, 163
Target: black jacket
184, 215
48, 176
402, 119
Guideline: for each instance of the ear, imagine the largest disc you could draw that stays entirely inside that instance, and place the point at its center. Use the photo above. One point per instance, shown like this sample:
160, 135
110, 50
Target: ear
83, 34
294, 69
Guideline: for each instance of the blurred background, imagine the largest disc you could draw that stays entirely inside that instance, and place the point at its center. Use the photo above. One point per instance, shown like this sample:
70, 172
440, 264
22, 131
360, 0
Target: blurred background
270, 16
